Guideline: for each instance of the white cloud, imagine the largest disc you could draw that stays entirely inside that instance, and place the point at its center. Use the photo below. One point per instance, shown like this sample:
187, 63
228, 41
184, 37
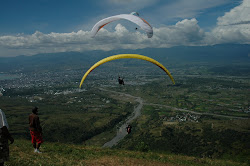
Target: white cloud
237, 15
233, 27
186, 32
44, 43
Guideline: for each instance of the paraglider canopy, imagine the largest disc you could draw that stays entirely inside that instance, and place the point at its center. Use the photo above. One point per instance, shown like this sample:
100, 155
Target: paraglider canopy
120, 56
133, 17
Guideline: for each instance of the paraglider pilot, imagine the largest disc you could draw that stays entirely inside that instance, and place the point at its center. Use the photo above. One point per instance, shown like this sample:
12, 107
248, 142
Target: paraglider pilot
120, 80
129, 129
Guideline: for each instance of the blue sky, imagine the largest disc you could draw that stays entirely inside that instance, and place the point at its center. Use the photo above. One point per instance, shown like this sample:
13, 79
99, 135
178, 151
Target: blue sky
41, 26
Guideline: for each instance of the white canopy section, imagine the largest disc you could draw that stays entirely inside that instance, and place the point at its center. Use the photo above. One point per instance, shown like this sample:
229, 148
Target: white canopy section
133, 18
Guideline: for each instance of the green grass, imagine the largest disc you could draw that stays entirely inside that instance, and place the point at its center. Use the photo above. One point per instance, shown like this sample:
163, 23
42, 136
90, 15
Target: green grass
21, 154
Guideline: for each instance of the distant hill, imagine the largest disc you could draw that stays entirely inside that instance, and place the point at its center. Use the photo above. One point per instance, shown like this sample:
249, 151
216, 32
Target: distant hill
225, 54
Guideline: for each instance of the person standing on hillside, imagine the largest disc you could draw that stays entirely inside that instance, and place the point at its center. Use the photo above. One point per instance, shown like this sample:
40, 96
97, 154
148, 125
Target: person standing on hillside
129, 129
120, 80
4, 137
35, 130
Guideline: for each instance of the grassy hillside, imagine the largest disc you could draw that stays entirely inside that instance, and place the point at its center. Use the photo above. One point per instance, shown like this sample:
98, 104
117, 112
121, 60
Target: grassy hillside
21, 154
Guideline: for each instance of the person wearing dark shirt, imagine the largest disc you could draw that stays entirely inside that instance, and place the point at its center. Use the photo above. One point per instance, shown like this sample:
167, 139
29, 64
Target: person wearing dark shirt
129, 129
4, 137
35, 130
120, 80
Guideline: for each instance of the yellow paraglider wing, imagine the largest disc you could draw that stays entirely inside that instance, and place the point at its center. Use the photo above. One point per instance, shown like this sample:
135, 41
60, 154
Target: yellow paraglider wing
122, 56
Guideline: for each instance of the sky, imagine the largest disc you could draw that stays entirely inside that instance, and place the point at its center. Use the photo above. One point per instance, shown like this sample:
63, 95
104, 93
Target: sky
29, 27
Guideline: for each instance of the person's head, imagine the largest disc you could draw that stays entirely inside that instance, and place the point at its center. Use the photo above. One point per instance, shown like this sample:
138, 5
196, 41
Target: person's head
35, 110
